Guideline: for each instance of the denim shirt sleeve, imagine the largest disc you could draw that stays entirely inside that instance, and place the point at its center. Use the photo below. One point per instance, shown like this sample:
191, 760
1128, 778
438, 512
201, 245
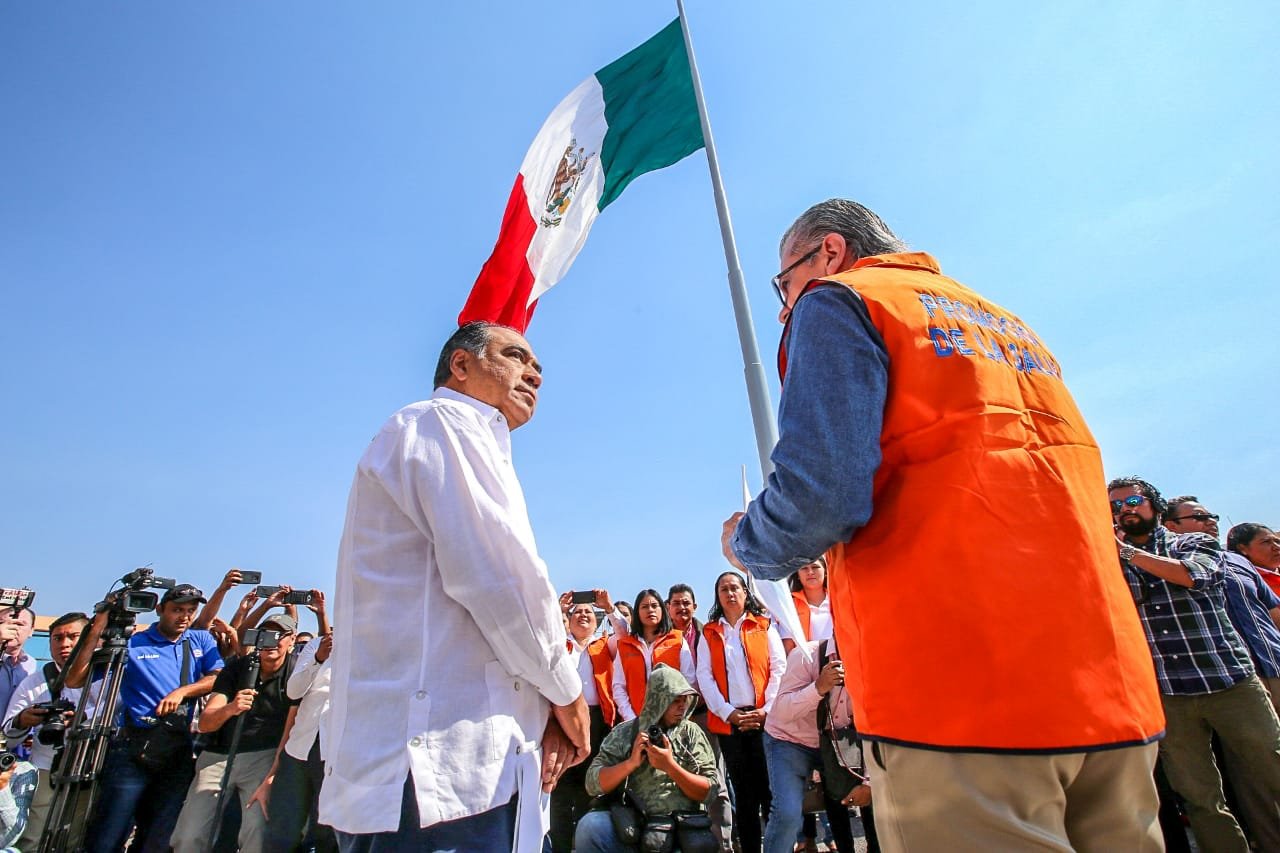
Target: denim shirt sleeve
828, 448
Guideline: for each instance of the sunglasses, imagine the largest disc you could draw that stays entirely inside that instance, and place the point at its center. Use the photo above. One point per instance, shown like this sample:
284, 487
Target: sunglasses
1198, 516
1131, 501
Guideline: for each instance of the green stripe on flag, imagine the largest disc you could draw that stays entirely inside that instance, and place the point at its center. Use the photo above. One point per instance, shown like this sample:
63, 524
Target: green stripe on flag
651, 111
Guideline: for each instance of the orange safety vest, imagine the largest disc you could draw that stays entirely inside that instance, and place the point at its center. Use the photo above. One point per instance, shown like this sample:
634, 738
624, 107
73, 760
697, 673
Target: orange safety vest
802, 610
666, 649
982, 608
601, 674
754, 631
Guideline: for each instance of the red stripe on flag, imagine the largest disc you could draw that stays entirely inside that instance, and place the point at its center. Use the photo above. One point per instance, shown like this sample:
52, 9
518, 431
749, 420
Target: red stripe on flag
502, 290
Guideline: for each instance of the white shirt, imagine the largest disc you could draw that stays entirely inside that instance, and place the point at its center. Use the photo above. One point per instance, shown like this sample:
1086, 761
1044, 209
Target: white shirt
310, 683
449, 642
32, 691
586, 670
623, 699
820, 626
742, 693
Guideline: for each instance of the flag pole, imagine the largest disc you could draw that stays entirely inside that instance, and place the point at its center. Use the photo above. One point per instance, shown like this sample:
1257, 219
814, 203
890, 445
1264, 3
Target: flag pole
775, 594
757, 387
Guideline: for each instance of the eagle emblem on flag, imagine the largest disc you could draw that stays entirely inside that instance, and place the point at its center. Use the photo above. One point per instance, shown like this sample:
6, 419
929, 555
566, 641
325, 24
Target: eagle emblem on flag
565, 183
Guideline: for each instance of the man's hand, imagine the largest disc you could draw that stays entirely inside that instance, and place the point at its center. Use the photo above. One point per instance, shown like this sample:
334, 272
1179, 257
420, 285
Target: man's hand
317, 602
261, 796
832, 675
277, 598
567, 742
660, 758
246, 603
726, 533
242, 701
325, 647
31, 717
170, 703
747, 720
229, 580
859, 796
639, 748
9, 631
557, 754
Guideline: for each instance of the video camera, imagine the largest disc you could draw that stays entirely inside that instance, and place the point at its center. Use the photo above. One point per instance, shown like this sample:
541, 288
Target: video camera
262, 638
7, 758
135, 597
16, 599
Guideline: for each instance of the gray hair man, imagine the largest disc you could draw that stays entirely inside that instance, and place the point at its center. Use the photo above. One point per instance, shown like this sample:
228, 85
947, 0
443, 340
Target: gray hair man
906, 391
454, 700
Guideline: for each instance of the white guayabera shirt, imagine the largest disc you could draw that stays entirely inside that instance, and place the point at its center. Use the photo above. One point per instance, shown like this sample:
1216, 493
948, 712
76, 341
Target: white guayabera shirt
449, 641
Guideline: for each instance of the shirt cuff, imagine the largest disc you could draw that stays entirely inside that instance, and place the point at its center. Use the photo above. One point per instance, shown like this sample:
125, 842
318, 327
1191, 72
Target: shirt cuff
564, 685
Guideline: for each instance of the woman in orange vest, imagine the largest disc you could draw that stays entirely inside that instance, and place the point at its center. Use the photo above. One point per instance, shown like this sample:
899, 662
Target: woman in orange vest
740, 664
809, 589
652, 641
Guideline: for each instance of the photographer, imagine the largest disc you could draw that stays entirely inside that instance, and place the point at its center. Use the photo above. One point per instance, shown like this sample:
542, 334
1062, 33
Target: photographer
27, 716
150, 763
17, 787
265, 707
677, 776
16, 627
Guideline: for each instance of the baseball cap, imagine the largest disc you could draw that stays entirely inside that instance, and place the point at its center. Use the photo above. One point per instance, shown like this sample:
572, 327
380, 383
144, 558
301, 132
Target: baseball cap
283, 621
184, 593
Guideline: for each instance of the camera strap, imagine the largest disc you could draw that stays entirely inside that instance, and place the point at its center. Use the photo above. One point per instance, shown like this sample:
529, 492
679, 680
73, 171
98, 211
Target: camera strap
184, 676
51, 681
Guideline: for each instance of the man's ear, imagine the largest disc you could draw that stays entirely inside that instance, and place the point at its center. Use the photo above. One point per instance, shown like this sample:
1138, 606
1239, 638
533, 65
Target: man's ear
834, 256
459, 364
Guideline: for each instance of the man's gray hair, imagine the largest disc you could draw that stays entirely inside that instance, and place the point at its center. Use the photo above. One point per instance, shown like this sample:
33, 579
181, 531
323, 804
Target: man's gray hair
472, 337
863, 231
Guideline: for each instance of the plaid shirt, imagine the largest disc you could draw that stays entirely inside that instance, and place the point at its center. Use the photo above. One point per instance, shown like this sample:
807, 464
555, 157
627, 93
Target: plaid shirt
1195, 647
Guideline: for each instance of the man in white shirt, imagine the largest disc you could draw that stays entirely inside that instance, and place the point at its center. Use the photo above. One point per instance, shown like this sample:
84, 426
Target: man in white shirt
21, 719
454, 704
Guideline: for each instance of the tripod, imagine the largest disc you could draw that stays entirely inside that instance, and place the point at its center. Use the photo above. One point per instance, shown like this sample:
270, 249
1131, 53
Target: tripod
75, 771
253, 665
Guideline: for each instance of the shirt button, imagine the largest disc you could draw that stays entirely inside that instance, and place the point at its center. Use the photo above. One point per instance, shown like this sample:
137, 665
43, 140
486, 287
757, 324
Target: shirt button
421, 694
519, 749
1166, 630
517, 685
417, 741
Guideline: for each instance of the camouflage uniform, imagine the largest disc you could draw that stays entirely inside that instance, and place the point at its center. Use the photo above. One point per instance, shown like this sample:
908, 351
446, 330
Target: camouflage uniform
655, 792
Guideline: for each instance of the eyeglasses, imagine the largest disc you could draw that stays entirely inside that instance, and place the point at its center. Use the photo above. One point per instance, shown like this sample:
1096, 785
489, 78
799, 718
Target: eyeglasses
776, 281
1131, 501
1198, 516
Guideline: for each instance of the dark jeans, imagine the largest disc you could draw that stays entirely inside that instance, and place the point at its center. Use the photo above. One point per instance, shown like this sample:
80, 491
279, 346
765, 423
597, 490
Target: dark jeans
745, 762
128, 795
494, 830
295, 795
569, 800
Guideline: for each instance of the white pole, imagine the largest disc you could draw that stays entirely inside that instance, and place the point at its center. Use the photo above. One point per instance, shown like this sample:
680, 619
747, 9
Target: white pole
757, 386
774, 594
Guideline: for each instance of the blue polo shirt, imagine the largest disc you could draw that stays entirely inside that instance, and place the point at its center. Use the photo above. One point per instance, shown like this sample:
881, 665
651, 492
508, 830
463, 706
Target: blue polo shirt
154, 670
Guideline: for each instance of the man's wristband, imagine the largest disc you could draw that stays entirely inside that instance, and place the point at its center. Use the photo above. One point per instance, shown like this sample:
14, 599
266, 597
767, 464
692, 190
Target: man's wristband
1127, 553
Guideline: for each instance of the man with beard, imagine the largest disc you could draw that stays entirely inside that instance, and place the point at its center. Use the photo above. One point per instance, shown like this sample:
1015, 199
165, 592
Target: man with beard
1207, 681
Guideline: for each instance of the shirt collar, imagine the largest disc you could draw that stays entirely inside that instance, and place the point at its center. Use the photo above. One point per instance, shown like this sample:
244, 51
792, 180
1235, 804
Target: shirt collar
904, 260
495, 420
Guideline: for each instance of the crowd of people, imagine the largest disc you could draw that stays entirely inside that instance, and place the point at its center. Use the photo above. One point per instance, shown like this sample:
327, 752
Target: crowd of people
745, 709
981, 655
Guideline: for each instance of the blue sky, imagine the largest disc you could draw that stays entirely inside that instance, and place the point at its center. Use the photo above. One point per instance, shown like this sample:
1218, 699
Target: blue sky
234, 236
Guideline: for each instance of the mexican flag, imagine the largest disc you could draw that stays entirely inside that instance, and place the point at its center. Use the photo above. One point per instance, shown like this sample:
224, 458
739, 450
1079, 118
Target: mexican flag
635, 115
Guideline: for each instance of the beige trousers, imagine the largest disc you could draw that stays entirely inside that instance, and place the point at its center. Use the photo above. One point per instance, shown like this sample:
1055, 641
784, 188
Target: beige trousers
927, 800
200, 813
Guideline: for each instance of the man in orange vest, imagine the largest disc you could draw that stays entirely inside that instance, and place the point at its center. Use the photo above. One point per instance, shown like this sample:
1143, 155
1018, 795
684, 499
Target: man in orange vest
990, 644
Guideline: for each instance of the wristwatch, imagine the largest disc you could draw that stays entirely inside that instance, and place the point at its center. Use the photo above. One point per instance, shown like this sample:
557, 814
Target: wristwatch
1127, 552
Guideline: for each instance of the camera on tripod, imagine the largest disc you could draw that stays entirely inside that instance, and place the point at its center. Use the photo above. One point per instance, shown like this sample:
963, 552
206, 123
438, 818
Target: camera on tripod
135, 597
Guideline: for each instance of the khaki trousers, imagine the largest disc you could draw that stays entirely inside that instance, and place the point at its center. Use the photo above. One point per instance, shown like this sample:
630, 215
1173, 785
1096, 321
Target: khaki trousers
1246, 723
199, 818
927, 800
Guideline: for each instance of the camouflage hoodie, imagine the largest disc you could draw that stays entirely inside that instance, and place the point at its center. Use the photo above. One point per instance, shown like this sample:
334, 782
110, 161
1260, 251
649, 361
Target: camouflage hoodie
654, 791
